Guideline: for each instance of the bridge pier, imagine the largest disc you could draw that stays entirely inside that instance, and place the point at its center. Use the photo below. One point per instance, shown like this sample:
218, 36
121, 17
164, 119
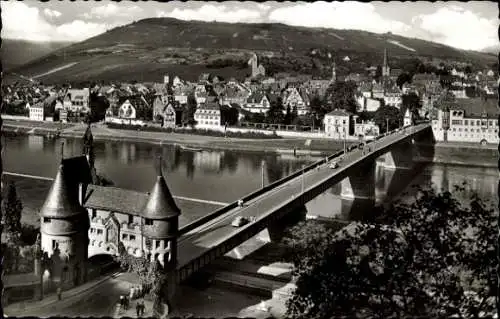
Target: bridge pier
360, 183
400, 156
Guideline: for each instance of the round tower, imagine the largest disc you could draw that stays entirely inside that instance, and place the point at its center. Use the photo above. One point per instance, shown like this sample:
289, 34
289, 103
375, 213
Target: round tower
64, 232
161, 224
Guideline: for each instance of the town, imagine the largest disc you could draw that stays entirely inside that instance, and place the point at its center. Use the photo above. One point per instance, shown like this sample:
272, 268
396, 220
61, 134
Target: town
349, 106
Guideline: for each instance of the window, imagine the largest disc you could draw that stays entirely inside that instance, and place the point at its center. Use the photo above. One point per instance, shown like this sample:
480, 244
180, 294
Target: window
46, 220
54, 244
94, 213
466, 122
99, 232
124, 236
157, 244
478, 122
130, 219
490, 123
132, 237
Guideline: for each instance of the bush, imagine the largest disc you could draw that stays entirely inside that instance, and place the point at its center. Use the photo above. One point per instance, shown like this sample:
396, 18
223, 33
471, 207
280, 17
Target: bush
205, 132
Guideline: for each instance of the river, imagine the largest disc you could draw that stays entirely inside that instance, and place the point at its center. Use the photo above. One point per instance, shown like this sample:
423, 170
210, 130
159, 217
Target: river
221, 176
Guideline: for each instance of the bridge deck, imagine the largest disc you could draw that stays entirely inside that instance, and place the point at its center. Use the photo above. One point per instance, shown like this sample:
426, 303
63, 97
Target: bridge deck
198, 242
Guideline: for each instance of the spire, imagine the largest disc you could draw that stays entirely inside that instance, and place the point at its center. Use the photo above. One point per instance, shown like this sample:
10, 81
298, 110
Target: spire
385, 57
62, 200
161, 204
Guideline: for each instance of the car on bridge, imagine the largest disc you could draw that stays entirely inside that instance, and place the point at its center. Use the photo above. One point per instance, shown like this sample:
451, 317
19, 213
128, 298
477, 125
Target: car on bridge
240, 221
333, 165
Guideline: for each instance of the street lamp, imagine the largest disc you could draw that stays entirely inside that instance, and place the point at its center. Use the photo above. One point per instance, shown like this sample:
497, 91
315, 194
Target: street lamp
387, 125
303, 166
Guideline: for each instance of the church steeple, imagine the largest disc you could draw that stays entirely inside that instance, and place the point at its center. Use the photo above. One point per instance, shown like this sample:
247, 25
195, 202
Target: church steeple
385, 67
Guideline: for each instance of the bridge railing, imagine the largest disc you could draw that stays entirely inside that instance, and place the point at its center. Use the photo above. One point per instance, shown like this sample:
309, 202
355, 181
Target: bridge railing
202, 220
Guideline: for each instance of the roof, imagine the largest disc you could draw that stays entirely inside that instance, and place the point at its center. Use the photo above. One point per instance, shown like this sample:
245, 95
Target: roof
62, 200
115, 199
476, 106
161, 204
339, 112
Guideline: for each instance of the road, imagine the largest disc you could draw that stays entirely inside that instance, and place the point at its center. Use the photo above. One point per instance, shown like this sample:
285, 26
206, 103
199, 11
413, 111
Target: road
100, 300
199, 240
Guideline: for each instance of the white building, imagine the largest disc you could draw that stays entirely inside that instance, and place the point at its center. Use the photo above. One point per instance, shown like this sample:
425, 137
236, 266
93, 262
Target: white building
393, 98
460, 124
36, 112
208, 115
337, 124
257, 103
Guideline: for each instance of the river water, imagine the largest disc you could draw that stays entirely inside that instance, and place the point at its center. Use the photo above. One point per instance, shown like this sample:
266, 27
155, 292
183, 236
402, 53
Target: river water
222, 176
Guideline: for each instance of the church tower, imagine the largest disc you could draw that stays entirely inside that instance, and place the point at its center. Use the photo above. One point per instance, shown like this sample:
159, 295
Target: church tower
161, 226
253, 65
89, 152
386, 71
334, 72
64, 229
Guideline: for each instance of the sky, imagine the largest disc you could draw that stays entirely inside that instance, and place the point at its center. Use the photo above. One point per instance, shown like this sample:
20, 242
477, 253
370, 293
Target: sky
465, 25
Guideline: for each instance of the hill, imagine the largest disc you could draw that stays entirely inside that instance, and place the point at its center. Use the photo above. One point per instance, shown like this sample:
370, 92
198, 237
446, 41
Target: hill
147, 49
19, 52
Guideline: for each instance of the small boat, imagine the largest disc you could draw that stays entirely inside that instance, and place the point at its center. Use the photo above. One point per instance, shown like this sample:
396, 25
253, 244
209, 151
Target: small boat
188, 148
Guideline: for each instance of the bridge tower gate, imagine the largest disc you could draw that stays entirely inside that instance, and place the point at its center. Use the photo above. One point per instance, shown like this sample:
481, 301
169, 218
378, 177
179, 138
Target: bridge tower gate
360, 183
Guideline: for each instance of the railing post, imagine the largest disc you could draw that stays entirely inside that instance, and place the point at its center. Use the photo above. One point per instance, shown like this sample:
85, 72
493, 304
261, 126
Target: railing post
262, 172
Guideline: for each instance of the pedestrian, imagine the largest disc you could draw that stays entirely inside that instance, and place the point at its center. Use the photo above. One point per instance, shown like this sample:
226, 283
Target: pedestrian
138, 308
59, 293
143, 307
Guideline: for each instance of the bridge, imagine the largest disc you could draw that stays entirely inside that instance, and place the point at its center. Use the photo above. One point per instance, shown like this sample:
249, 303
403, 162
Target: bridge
213, 236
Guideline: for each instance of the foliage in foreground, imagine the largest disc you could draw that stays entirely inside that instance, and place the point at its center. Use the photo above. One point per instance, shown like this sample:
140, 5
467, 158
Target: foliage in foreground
431, 258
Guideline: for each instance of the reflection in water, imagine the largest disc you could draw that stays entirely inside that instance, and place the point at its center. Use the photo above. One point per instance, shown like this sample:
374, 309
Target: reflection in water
216, 175
35, 142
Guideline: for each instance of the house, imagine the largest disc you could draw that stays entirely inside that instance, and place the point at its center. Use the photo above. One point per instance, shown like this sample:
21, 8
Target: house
393, 98
127, 111
258, 102
365, 128
371, 105
37, 112
337, 124
77, 100
177, 82
158, 107
468, 120
200, 94
458, 91
378, 91
208, 114
170, 116
294, 99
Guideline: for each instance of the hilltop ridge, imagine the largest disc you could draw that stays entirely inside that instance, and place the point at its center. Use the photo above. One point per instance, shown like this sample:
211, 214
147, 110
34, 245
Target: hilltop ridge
146, 49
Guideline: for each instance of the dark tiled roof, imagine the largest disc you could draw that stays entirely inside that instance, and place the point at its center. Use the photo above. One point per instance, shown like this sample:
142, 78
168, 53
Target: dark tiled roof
474, 107
62, 200
161, 204
115, 199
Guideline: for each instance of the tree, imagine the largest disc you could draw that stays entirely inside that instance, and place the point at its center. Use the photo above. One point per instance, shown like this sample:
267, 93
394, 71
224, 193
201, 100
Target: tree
98, 106
432, 258
341, 95
275, 113
189, 110
12, 211
388, 113
411, 101
445, 100
378, 73
402, 79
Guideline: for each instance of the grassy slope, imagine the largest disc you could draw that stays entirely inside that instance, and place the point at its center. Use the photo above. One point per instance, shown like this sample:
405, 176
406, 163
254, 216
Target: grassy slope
19, 52
149, 48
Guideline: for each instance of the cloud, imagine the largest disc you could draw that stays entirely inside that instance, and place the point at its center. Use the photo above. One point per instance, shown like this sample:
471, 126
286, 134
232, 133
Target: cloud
458, 27
52, 13
210, 12
21, 21
112, 10
338, 15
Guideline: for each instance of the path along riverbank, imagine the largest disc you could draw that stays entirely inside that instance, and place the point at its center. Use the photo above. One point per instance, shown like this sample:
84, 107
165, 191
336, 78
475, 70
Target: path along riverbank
446, 153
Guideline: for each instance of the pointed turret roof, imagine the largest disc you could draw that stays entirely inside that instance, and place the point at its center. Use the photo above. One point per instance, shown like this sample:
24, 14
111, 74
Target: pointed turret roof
161, 204
62, 200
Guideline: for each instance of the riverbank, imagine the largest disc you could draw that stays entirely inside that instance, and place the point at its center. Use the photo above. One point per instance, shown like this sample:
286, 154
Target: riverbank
462, 154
